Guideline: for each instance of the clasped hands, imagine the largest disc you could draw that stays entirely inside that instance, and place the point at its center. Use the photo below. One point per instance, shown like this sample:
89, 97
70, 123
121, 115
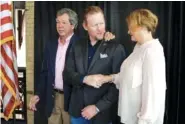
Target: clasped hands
96, 80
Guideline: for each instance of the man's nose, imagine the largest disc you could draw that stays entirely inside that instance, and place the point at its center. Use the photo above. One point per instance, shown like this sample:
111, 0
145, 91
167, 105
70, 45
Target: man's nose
99, 26
60, 25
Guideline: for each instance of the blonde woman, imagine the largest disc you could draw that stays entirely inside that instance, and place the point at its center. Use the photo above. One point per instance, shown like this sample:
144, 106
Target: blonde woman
141, 81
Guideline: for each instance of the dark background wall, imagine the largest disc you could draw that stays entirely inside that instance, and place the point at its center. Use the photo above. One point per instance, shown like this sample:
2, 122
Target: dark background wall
170, 31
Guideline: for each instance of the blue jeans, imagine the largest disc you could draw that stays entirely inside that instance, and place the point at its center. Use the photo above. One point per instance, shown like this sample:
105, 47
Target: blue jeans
80, 120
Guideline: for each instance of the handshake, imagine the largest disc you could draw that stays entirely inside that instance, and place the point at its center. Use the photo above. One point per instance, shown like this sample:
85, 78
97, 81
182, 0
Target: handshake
97, 80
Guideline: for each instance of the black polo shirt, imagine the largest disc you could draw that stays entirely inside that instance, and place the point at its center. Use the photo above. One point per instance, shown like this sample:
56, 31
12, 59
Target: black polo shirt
91, 51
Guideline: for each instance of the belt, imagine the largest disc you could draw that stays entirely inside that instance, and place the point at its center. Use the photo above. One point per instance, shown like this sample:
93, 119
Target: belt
59, 91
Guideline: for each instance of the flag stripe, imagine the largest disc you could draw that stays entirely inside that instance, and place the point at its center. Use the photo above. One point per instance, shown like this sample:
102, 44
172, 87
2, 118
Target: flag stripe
6, 27
8, 50
4, 89
6, 55
7, 97
7, 39
5, 6
4, 70
7, 33
7, 66
3, 2
10, 107
5, 13
12, 55
5, 20
6, 78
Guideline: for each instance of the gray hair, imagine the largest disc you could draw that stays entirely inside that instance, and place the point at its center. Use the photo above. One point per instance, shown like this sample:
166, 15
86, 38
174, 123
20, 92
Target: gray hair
73, 17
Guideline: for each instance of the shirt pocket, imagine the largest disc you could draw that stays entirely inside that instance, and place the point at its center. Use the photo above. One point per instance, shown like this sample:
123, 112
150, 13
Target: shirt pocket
137, 74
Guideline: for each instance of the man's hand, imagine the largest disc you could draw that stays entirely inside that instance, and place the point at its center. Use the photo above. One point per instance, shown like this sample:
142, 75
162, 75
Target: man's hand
33, 101
89, 112
93, 80
108, 36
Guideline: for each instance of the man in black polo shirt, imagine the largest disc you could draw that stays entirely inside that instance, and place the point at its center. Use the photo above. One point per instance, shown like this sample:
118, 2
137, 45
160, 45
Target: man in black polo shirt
90, 105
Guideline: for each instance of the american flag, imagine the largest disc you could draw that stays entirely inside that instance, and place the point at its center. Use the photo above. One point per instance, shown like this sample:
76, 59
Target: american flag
8, 69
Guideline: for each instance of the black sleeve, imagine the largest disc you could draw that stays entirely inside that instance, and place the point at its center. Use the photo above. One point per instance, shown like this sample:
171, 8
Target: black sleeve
112, 95
70, 74
108, 99
43, 73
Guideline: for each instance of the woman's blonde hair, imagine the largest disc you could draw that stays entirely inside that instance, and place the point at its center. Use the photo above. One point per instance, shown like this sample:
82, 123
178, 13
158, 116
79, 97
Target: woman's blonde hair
143, 18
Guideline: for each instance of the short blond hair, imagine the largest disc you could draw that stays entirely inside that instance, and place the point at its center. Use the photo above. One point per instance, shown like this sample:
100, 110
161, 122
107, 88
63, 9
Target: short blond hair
92, 10
143, 18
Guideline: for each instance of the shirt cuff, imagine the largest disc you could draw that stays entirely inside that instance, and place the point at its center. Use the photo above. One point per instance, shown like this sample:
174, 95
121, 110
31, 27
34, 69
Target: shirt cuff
97, 110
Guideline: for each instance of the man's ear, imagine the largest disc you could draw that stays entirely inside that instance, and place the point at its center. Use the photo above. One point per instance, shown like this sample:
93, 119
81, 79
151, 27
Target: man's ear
73, 27
84, 25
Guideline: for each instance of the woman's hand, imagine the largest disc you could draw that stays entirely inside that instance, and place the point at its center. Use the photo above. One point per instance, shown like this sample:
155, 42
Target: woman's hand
97, 80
